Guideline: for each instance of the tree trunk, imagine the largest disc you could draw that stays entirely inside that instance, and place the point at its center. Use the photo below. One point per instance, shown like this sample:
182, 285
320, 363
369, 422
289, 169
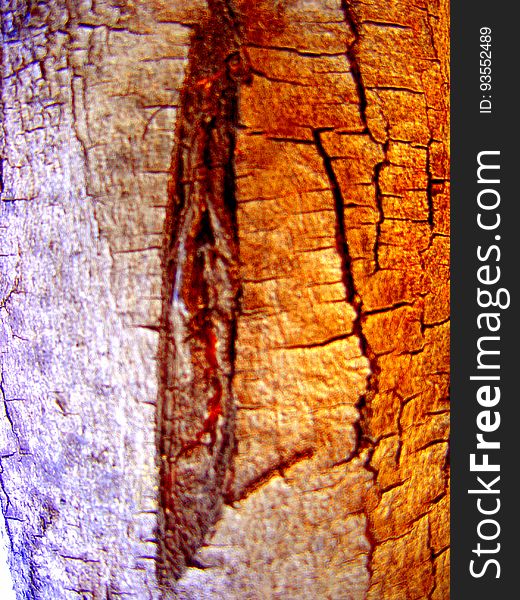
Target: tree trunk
319, 264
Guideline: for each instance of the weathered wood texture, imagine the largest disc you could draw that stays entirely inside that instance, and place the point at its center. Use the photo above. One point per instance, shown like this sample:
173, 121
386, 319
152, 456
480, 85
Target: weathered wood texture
339, 484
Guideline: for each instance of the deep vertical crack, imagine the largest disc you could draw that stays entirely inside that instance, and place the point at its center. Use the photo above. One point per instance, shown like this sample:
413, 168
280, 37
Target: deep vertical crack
352, 22
363, 441
196, 408
379, 202
340, 233
352, 56
431, 550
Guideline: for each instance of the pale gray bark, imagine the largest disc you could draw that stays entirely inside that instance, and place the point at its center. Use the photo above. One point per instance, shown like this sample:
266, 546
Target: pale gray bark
90, 105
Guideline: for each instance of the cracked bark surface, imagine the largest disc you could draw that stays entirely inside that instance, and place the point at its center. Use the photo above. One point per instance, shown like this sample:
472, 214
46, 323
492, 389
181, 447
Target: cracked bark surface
338, 486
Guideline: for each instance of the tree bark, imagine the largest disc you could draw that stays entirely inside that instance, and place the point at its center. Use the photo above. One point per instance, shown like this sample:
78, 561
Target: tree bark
330, 351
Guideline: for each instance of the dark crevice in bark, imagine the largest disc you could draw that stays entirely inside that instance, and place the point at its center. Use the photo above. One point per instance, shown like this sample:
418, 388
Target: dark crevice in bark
387, 309
431, 443
352, 22
294, 50
195, 407
432, 188
399, 424
352, 55
341, 236
432, 559
429, 17
263, 479
5, 508
389, 24
364, 443
393, 486
395, 88
429, 187
320, 344
194, 563
379, 203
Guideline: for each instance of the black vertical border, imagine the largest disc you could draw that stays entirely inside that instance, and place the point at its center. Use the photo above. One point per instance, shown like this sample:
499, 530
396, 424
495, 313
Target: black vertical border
471, 133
